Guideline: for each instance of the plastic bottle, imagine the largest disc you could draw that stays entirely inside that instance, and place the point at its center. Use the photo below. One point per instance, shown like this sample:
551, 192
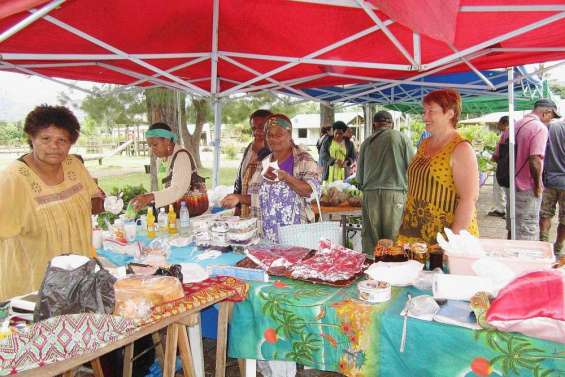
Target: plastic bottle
184, 219
162, 221
151, 233
172, 220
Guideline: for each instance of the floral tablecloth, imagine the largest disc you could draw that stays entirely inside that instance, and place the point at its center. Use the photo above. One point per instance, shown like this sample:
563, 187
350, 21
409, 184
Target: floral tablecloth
329, 329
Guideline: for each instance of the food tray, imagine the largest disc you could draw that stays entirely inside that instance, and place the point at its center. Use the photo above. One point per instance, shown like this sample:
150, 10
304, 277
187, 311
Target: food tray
282, 272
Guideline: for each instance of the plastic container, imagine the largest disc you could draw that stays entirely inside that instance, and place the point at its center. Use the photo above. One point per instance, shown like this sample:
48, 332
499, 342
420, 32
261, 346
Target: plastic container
374, 291
184, 219
520, 256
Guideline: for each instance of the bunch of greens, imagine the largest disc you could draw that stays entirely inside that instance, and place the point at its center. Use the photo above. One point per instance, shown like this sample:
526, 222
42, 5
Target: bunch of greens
129, 192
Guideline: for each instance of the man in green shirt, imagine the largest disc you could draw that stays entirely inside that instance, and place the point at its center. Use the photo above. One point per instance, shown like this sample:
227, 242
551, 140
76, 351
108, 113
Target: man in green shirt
381, 173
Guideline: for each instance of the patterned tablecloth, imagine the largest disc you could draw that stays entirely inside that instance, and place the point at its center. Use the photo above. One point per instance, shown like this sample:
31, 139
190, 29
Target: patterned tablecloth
329, 329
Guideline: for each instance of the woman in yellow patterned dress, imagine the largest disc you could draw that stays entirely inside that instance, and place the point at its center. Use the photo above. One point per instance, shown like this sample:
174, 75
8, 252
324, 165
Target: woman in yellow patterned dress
45, 202
443, 177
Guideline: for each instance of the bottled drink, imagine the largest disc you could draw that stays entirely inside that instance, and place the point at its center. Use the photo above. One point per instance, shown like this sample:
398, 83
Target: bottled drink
162, 221
172, 220
151, 231
184, 218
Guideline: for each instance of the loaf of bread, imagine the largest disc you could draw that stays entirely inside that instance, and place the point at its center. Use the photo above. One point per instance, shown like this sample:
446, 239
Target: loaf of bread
137, 295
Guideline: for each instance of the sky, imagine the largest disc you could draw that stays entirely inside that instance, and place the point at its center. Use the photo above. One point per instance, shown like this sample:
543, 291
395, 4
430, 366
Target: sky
19, 94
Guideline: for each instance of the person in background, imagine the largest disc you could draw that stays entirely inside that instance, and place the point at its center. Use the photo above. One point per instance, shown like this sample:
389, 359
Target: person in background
443, 177
531, 141
253, 154
325, 132
45, 205
498, 194
336, 154
278, 197
180, 165
352, 169
554, 181
423, 136
381, 175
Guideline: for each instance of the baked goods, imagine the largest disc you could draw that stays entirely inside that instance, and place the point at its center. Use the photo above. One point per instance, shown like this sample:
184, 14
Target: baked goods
136, 295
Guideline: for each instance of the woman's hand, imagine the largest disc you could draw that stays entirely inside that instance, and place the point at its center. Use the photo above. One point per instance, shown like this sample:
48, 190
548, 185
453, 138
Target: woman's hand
142, 201
231, 200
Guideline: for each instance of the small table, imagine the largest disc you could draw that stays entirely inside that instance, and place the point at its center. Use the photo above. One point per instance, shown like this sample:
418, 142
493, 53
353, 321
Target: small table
175, 318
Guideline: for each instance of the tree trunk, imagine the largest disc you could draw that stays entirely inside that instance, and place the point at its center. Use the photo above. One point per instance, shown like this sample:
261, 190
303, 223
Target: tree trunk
327, 115
192, 141
162, 106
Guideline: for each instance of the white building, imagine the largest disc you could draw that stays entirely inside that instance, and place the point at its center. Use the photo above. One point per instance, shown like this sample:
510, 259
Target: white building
306, 127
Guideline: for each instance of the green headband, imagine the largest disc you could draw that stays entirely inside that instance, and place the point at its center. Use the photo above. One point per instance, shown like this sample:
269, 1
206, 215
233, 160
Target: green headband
278, 121
158, 132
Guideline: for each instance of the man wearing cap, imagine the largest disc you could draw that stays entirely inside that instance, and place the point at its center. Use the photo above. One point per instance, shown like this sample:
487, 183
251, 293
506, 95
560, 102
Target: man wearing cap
381, 173
554, 182
531, 140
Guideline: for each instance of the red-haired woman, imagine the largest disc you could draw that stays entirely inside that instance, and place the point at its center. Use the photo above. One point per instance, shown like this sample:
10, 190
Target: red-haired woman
443, 177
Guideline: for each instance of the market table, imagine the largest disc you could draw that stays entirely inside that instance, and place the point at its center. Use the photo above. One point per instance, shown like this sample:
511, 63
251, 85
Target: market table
174, 317
327, 328
344, 212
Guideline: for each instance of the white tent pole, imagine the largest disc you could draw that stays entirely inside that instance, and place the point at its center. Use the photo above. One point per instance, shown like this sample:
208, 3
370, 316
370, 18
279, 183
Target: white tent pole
417, 48
330, 62
34, 56
214, 55
511, 144
30, 19
322, 51
373, 16
123, 54
216, 102
33, 73
138, 75
296, 81
492, 41
251, 70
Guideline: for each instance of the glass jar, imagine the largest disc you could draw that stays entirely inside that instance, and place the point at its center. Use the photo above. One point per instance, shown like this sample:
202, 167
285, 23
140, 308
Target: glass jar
419, 252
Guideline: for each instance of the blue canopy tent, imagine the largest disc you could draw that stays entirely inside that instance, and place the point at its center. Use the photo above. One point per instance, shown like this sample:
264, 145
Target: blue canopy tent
406, 96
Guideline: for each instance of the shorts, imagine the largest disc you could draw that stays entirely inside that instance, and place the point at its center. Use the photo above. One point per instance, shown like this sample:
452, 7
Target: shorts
527, 214
552, 197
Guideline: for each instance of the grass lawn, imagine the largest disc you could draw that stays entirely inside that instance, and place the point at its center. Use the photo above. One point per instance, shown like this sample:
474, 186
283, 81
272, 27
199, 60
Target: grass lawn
227, 177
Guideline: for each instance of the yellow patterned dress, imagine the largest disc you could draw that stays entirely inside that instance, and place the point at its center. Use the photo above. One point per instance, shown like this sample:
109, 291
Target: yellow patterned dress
38, 222
432, 198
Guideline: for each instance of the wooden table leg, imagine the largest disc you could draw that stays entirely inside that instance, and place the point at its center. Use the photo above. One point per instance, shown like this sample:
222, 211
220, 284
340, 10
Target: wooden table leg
185, 353
128, 360
97, 368
222, 340
195, 336
159, 353
171, 351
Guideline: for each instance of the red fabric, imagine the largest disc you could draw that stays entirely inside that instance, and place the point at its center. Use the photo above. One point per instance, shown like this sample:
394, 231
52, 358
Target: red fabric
300, 29
8, 8
537, 294
435, 18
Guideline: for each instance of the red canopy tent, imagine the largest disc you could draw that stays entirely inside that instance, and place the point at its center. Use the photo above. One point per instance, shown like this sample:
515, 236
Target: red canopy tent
213, 47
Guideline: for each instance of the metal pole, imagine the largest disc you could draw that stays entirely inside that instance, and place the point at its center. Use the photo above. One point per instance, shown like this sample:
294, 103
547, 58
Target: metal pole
511, 144
36, 15
217, 130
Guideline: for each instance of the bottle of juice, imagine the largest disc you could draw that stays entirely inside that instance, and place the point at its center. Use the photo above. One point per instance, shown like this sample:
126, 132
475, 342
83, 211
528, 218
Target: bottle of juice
172, 220
151, 232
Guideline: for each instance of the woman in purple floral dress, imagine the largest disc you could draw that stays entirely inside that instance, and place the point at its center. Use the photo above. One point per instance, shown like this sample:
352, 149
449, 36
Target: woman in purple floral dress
280, 197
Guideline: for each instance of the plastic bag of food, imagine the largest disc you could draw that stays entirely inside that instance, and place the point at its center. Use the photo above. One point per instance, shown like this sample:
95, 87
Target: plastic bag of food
137, 295
74, 289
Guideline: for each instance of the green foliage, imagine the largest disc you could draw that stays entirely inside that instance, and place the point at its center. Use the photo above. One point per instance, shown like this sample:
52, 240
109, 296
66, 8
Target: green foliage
484, 143
230, 151
416, 128
106, 108
557, 88
12, 133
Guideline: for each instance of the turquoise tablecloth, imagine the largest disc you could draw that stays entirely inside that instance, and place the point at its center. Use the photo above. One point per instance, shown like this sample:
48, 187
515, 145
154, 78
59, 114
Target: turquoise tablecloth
186, 254
327, 328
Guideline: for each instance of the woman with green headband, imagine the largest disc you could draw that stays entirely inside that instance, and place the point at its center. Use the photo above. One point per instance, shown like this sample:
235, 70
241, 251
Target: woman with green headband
278, 193
162, 140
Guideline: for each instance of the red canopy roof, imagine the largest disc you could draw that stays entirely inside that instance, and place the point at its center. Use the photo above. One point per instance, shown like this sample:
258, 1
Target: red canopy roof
276, 44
